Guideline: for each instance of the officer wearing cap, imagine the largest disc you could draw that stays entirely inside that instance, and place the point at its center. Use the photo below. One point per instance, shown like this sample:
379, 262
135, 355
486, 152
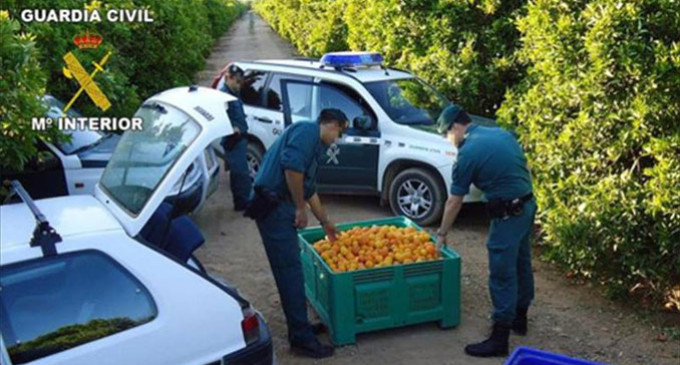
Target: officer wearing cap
236, 144
284, 185
492, 159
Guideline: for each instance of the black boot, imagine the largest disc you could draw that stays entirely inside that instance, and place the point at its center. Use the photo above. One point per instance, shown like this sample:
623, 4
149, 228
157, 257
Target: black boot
313, 349
519, 325
495, 345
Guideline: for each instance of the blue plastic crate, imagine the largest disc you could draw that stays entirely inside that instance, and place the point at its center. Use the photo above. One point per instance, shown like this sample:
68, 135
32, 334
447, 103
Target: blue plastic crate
528, 356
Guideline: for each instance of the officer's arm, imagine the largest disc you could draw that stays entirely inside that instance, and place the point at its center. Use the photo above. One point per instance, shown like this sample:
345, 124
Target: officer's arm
320, 214
295, 158
234, 115
461, 176
317, 209
451, 209
295, 181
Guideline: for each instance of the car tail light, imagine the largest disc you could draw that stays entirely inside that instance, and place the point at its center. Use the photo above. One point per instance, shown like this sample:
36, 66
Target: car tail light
250, 326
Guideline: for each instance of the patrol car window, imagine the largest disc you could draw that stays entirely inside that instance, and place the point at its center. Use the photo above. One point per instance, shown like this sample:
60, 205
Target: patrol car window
143, 158
408, 101
54, 304
274, 98
343, 98
253, 84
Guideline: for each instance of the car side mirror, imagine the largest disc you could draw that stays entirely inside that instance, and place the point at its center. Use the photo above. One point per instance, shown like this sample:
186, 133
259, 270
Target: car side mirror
363, 122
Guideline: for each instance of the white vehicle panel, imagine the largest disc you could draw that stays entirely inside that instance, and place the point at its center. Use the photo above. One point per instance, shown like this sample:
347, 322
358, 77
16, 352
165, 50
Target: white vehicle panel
208, 108
82, 180
68, 215
214, 322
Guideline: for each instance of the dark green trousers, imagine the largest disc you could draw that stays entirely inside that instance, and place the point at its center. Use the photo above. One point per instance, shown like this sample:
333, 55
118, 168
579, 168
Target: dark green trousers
511, 280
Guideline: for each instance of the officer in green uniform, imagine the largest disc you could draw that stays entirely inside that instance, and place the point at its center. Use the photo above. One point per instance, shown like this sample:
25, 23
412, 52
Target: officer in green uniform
284, 185
492, 159
236, 145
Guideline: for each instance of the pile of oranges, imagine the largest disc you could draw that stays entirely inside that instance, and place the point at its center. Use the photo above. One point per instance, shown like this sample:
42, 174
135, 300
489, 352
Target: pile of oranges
377, 246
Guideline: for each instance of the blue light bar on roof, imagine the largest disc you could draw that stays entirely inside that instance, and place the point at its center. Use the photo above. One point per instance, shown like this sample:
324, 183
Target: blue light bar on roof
351, 59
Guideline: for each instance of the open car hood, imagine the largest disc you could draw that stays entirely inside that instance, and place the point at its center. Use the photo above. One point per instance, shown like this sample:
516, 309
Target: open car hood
178, 125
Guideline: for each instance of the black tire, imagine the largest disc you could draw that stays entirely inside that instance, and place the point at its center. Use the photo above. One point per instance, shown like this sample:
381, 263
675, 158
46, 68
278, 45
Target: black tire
254, 155
422, 186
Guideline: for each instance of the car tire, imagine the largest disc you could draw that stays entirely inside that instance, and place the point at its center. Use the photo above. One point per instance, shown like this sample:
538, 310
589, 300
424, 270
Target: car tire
254, 155
417, 194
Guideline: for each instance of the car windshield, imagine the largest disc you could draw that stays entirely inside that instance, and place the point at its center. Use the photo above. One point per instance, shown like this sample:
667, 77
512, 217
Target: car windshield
408, 101
143, 158
80, 139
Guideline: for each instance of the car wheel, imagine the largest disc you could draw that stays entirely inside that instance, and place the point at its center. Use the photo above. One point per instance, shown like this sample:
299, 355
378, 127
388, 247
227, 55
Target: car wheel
419, 195
254, 157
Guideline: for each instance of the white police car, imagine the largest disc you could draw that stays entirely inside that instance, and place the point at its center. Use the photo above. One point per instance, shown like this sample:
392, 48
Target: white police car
79, 286
391, 150
74, 167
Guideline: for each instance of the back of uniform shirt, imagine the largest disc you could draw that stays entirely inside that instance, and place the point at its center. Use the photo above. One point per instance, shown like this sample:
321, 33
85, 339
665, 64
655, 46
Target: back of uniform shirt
492, 159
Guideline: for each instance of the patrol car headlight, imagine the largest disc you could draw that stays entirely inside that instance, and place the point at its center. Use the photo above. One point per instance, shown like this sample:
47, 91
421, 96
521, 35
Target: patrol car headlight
350, 59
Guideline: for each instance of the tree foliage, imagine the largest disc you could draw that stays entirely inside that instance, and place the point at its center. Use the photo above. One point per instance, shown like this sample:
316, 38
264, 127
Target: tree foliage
464, 48
598, 114
592, 87
146, 58
21, 82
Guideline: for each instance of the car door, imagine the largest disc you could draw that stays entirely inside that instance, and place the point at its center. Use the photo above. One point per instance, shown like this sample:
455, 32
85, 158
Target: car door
351, 164
270, 116
178, 125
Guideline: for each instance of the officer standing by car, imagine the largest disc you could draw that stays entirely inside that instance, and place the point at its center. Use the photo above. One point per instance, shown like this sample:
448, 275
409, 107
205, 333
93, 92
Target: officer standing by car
285, 184
235, 145
492, 159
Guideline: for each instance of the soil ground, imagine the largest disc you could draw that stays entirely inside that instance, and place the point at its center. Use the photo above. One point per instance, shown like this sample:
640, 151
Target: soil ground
566, 317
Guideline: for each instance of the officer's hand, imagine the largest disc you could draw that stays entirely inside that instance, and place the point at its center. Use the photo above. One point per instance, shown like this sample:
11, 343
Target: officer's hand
300, 218
329, 228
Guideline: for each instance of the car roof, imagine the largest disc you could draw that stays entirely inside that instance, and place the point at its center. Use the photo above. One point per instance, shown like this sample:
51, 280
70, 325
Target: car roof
68, 215
363, 74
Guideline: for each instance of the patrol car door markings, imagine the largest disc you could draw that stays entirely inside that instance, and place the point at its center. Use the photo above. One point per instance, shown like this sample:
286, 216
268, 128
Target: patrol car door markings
332, 152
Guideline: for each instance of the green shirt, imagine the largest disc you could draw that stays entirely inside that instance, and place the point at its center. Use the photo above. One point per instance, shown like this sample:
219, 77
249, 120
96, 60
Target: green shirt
491, 158
298, 149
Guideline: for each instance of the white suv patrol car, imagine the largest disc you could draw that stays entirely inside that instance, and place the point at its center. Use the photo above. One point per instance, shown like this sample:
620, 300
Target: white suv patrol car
391, 150
78, 285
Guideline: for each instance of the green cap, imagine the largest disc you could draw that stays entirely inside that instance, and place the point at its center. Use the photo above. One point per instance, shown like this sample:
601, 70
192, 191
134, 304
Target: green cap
451, 114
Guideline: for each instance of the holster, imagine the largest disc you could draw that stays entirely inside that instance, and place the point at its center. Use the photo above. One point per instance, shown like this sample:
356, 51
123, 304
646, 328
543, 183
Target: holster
264, 202
504, 209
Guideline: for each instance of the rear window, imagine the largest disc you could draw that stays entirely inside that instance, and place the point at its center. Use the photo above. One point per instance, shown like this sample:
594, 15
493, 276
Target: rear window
54, 304
143, 158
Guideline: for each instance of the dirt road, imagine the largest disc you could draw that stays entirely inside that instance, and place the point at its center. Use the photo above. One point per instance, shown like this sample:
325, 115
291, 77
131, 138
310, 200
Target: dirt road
566, 318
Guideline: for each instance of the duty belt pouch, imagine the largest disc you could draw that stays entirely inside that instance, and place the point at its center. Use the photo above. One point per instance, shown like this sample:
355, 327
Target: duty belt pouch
262, 204
504, 209
496, 208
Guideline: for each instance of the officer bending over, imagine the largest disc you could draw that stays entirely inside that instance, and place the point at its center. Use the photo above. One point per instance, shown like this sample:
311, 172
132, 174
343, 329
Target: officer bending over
285, 183
492, 159
235, 145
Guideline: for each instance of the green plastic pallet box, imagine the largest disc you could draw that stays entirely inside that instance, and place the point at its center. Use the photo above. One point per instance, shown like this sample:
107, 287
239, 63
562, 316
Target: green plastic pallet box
380, 298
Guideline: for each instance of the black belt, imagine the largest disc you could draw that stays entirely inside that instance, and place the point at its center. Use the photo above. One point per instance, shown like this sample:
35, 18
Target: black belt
500, 208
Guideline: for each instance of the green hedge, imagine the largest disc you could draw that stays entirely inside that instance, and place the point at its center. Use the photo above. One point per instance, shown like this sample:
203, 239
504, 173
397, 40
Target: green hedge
146, 57
599, 115
21, 81
465, 49
591, 86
